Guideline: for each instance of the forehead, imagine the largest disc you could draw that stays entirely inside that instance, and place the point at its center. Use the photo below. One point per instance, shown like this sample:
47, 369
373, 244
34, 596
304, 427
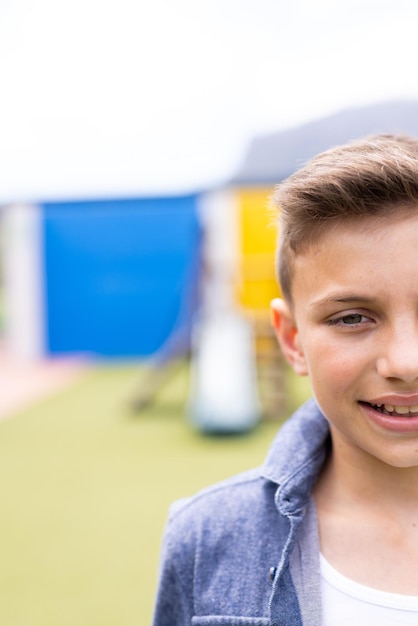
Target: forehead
366, 255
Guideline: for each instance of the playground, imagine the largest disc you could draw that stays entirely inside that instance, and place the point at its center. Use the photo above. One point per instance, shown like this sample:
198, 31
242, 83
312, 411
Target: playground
90, 460
86, 485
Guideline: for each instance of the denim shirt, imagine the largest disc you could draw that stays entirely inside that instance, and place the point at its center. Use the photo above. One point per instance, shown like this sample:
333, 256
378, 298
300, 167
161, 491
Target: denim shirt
245, 552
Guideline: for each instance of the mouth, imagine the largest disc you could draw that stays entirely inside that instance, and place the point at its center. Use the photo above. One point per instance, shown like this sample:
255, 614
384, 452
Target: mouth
394, 411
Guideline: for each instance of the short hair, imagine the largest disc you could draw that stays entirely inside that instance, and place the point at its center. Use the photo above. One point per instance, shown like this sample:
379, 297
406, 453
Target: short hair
369, 177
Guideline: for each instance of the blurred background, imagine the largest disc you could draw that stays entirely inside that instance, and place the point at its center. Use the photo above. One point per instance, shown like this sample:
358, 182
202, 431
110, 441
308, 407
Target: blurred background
140, 143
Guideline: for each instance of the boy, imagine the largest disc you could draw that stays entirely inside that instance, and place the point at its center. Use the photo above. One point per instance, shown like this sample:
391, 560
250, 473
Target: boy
326, 532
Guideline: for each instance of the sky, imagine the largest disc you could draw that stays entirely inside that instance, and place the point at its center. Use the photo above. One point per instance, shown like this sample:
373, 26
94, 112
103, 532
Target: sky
149, 97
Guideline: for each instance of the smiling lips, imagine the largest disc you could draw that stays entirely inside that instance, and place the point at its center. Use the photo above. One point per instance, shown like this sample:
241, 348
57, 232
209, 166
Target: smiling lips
401, 411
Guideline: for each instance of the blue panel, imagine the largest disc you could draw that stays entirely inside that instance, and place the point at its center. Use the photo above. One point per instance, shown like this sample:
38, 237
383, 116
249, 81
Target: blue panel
119, 274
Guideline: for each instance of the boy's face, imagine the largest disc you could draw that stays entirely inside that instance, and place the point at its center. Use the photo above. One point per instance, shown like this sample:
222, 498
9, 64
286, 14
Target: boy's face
353, 329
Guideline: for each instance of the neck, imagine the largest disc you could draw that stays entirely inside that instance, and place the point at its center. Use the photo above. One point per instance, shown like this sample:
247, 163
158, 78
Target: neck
368, 520
352, 477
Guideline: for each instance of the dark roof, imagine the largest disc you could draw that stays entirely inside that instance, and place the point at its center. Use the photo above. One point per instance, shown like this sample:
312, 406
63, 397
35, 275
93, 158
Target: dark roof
271, 158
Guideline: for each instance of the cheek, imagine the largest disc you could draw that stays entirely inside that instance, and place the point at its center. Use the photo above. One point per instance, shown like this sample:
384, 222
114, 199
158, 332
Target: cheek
330, 367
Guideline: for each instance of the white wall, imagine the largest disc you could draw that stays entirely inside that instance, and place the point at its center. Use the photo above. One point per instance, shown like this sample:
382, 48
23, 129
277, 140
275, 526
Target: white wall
23, 281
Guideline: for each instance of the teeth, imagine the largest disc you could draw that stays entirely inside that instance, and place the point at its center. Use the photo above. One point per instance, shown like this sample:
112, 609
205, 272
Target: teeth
400, 410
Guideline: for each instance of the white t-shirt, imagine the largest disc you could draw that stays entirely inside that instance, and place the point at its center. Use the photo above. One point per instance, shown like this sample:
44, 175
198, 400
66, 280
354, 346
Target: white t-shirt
347, 603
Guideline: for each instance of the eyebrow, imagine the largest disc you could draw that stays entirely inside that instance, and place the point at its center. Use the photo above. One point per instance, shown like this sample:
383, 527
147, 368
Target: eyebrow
341, 299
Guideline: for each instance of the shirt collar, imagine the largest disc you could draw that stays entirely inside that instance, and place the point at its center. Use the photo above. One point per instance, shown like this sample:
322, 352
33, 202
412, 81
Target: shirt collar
297, 455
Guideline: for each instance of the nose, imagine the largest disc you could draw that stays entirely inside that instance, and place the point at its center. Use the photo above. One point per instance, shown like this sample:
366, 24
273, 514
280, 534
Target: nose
399, 354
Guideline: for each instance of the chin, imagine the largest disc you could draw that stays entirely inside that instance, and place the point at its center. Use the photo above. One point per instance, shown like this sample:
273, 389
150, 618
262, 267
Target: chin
401, 461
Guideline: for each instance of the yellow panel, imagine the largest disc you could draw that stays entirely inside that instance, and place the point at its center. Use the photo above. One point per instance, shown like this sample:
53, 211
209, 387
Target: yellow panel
256, 296
257, 230
257, 284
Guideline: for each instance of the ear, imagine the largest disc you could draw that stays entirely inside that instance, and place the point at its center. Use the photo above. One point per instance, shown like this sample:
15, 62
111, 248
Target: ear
288, 335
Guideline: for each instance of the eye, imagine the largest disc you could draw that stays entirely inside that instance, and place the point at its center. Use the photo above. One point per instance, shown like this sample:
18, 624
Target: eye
351, 319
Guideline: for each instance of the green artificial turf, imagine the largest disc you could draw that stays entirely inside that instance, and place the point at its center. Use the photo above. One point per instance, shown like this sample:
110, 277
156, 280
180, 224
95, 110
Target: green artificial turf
85, 487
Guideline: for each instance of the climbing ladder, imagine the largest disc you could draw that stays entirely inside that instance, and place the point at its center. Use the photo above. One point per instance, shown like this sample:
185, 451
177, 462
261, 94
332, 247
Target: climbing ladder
256, 286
